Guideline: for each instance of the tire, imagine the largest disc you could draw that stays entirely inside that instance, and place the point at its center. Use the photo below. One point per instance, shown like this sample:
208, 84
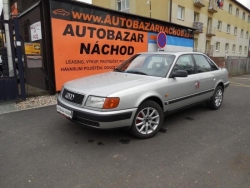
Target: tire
216, 101
147, 121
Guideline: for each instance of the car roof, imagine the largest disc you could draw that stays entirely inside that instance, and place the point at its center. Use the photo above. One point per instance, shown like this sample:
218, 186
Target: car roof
171, 53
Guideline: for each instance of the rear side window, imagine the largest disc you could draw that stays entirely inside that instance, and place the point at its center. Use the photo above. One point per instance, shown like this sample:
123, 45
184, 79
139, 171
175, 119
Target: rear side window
212, 64
202, 64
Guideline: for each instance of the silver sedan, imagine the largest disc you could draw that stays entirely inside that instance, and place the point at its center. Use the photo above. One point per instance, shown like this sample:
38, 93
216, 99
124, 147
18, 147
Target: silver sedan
141, 90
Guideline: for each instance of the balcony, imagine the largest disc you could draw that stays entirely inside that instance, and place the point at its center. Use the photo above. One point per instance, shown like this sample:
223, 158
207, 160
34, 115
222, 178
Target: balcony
213, 7
199, 3
198, 26
211, 31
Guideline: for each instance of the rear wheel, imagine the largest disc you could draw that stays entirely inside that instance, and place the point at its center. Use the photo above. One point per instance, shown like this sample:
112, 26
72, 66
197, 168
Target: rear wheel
216, 101
148, 120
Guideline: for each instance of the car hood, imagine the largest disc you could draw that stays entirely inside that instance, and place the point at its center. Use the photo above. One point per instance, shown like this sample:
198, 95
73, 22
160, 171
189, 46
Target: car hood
108, 83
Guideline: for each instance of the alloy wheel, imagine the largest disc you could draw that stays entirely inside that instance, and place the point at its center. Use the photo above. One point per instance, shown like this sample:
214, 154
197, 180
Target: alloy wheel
147, 120
218, 97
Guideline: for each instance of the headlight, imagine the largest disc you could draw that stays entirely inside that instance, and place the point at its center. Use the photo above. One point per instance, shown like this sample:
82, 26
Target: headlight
100, 102
95, 102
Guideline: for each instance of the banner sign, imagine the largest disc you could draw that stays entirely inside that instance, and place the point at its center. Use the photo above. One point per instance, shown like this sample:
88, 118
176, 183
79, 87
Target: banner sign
35, 31
88, 40
14, 10
32, 48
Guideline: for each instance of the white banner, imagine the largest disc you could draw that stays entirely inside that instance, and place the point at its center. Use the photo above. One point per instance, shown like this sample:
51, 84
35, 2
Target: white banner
35, 31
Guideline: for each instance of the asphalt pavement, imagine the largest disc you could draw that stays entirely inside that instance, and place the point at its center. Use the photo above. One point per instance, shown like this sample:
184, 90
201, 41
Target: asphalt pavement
197, 147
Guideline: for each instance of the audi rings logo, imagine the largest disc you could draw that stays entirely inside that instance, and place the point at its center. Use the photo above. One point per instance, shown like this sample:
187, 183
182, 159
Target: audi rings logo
69, 96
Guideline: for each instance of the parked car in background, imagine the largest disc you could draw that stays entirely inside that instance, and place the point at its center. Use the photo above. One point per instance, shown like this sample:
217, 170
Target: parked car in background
141, 90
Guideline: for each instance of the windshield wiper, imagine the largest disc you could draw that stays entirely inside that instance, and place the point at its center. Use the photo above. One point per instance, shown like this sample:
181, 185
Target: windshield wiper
118, 70
136, 72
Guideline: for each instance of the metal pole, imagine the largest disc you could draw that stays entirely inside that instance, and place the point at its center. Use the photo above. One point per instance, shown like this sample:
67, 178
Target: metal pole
7, 34
247, 64
170, 11
238, 66
19, 59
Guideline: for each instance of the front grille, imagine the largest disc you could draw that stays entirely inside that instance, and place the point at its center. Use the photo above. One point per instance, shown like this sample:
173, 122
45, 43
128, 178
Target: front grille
72, 97
86, 122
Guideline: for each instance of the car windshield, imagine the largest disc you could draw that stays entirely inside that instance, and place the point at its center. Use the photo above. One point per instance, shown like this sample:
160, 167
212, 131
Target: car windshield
147, 64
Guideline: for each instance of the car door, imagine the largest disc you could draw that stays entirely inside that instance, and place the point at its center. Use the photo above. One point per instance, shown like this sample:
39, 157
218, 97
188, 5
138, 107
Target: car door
206, 76
182, 90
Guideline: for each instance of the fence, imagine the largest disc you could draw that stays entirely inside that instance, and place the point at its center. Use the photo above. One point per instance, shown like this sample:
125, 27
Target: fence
237, 65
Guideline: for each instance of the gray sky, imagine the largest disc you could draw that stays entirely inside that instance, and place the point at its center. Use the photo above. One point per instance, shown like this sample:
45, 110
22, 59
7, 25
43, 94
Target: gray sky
244, 2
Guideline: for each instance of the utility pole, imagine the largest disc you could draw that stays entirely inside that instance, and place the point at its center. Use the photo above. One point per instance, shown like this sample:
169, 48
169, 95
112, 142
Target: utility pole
6, 15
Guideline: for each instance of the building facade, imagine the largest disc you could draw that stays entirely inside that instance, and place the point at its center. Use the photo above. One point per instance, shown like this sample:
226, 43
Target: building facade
222, 26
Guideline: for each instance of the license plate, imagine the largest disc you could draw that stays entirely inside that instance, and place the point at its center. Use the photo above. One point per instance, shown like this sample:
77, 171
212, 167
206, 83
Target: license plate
64, 111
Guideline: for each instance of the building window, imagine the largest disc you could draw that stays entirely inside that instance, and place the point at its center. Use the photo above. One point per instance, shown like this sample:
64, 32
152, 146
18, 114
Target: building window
241, 33
230, 8
217, 47
228, 28
240, 49
219, 26
196, 17
226, 47
243, 16
237, 12
180, 13
247, 35
235, 31
245, 50
248, 18
233, 48
123, 5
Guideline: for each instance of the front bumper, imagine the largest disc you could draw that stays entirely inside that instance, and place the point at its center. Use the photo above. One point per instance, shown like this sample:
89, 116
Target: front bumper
99, 119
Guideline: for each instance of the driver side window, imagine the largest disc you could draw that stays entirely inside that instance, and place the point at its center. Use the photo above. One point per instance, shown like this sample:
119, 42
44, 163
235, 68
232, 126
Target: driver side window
185, 62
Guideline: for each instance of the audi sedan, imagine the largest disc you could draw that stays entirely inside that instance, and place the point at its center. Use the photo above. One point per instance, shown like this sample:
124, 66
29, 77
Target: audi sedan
141, 90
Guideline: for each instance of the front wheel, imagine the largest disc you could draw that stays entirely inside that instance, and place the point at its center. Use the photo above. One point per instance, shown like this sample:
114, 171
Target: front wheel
217, 99
148, 120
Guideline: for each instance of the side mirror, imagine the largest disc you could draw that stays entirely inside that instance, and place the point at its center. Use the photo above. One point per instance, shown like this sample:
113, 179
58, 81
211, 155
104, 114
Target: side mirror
179, 73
